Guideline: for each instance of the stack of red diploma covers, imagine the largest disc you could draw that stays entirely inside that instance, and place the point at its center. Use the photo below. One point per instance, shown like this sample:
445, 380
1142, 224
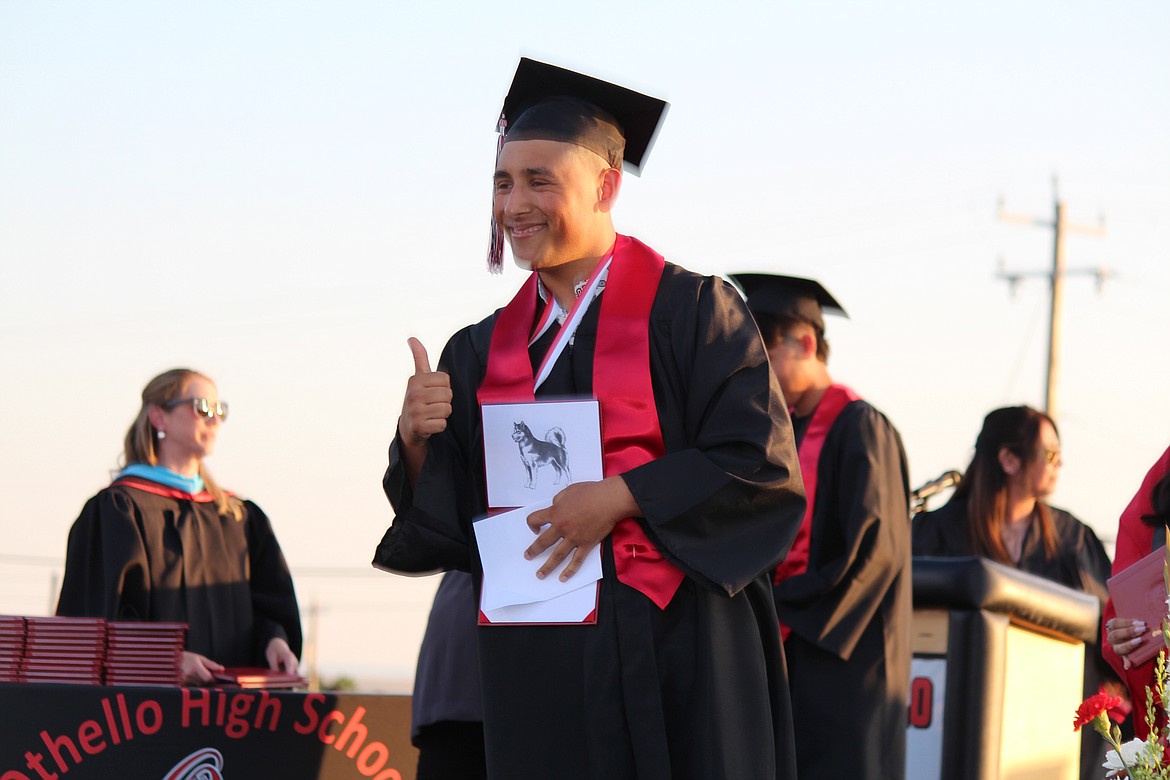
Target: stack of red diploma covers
11, 647
144, 653
90, 651
65, 650
258, 677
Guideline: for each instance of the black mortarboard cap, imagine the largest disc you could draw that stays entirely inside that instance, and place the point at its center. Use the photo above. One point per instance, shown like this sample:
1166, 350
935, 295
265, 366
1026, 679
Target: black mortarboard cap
550, 103
554, 104
788, 296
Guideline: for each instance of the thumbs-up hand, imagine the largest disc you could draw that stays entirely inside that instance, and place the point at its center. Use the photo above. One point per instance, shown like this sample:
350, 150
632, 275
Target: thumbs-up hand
427, 404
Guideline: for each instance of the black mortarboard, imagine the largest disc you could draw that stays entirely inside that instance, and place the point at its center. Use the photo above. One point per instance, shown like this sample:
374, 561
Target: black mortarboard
788, 296
553, 104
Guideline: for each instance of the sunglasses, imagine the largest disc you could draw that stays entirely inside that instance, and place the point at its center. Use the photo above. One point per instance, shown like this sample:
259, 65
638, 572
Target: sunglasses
203, 407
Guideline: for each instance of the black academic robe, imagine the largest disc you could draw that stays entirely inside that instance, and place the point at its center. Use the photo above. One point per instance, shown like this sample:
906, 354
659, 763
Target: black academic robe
135, 555
446, 680
1080, 563
697, 690
850, 612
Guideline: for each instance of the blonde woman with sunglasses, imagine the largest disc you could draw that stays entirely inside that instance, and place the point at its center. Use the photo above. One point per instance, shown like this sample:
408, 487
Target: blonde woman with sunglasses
165, 543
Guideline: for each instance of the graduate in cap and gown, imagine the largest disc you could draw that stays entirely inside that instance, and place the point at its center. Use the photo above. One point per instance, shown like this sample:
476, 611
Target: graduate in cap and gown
165, 543
843, 594
682, 673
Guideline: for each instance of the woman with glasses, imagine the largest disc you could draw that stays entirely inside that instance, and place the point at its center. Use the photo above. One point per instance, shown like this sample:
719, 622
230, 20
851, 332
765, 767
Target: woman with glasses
165, 543
999, 511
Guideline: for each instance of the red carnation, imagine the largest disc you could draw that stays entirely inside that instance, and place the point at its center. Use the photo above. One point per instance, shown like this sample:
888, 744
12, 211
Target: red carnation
1094, 707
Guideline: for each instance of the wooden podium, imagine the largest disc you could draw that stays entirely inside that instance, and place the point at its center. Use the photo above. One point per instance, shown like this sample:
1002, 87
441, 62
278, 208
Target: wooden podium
997, 674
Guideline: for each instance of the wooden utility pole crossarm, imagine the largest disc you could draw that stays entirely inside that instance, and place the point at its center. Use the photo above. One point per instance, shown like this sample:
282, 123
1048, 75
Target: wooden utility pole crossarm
1059, 227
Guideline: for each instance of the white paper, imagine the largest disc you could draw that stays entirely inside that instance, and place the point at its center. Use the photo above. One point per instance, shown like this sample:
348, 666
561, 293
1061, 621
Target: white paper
532, 451
572, 607
510, 580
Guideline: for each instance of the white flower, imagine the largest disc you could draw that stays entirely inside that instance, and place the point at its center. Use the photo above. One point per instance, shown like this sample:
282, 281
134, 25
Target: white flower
1129, 752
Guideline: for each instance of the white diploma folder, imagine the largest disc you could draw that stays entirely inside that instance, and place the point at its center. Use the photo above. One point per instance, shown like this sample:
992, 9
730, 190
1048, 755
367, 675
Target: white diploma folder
534, 450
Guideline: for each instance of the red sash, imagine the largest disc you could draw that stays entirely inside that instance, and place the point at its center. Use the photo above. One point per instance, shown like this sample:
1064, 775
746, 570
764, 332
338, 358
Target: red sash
621, 383
148, 486
836, 398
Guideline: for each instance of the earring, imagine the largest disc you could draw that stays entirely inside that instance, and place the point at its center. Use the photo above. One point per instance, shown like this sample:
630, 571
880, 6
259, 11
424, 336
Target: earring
162, 435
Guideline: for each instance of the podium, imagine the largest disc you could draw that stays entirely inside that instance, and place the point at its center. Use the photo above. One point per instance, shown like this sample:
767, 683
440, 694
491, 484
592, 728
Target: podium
997, 672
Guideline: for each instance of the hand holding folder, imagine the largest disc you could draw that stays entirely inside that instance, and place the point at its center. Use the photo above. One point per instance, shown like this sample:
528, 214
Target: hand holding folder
1139, 593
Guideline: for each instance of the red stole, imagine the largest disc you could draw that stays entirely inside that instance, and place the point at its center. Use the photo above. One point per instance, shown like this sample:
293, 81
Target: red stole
148, 486
621, 384
836, 398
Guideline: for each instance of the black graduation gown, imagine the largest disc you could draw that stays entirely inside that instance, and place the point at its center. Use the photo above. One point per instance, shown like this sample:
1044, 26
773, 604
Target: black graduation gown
136, 555
446, 680
1080, 563
697, 690
850, 612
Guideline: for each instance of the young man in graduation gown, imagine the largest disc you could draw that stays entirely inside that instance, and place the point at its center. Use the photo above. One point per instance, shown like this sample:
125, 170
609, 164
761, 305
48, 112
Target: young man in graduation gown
844, 591
682, 674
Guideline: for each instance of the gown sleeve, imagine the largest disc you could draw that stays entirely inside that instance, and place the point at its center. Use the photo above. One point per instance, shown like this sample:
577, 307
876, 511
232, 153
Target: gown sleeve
860, 540
1093, 564
724, 503
941, 533
106, 564
428, 533
274, 601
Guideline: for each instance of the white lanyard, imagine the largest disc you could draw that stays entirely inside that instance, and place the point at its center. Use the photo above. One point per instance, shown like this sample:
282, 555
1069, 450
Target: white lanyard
564, 337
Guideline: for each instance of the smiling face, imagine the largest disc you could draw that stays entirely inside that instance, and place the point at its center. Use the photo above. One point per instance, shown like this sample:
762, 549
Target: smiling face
552, 200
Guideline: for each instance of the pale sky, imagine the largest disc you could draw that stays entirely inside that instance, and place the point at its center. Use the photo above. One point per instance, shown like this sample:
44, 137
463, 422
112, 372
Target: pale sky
278, 194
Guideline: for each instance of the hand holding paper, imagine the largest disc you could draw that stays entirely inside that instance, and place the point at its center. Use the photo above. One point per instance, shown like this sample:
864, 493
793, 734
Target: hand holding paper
581, 516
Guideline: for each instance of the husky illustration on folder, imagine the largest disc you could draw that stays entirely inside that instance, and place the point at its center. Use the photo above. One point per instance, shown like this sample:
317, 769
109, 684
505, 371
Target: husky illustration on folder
535, 453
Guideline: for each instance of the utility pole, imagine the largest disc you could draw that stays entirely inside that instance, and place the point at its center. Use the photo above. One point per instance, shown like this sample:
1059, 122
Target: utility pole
1060, 226
311, 645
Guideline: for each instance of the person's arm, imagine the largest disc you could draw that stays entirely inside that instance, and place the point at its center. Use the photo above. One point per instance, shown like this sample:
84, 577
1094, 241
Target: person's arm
861, 534
425, 409
427, 481
581, 516
106, 562
275, 613
724, 503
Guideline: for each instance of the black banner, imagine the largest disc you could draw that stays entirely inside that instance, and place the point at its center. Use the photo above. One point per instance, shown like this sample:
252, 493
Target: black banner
52, 731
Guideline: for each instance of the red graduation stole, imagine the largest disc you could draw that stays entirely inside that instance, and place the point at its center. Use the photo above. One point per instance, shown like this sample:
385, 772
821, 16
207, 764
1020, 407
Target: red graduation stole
621, 384
836, 398
148, 486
